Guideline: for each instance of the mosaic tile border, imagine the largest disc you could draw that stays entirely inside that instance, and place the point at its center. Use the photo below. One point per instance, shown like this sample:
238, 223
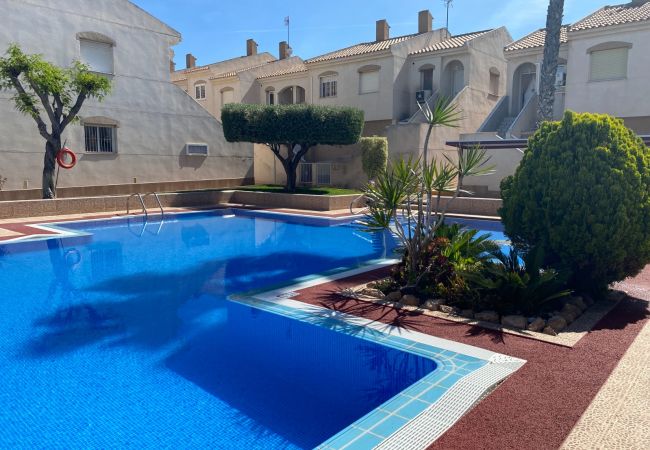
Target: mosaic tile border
411, 408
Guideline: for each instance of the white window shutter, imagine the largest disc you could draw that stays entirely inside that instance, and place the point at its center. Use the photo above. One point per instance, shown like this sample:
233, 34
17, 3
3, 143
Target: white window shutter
609, 64
98, 55
227, 97
369, 81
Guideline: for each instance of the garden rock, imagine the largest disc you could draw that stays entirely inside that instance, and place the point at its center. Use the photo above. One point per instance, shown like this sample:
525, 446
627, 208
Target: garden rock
487, 316
578, 303
537, 325
570, 312
410, 300
467, 313
433, 304
394, 296
557, 323
370, 292
550, 331
514, 321
452, 310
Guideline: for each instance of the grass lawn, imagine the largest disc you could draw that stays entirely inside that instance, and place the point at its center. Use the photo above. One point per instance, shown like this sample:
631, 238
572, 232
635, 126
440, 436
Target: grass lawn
320, 190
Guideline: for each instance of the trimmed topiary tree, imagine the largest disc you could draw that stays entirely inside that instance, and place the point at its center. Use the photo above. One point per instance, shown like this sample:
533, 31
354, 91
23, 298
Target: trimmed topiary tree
582, 194
374, 155
296, 127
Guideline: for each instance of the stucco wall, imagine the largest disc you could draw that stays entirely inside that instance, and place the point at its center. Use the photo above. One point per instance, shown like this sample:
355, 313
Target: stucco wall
621, 98
156, 118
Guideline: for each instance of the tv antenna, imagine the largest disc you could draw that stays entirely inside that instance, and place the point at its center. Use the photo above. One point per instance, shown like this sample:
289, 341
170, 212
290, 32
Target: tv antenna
448, 4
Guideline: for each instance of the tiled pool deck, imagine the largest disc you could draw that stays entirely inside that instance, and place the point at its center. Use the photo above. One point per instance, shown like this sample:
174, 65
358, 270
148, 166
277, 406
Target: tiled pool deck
455, 362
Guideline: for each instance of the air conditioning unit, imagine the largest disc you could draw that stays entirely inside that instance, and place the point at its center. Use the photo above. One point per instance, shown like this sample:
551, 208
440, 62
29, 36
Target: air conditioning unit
422, 96
196, 149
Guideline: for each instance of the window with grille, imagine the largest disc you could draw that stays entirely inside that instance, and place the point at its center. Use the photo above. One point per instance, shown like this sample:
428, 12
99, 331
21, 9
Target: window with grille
328, 86
609, 64
99, 139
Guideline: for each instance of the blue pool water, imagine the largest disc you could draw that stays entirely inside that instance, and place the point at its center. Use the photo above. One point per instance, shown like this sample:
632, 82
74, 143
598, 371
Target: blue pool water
124, 337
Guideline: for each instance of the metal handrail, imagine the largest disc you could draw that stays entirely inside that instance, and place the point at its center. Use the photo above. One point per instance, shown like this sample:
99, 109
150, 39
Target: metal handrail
128, 200
155, 194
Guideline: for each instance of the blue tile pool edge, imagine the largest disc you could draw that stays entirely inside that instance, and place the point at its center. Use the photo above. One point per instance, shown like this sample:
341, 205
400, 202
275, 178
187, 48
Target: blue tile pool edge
402, 410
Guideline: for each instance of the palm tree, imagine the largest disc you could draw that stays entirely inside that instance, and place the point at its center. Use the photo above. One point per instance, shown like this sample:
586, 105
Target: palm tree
549, 64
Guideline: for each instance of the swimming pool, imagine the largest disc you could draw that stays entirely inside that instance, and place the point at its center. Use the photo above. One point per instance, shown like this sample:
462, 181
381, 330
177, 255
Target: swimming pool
122, 335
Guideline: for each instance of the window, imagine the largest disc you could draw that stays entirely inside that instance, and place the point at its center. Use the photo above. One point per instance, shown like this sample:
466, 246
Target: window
227, 96
99, 138
98, 55
494, 81
369, 79
560, 76
328, 86
199, 91
270, 96
609, 64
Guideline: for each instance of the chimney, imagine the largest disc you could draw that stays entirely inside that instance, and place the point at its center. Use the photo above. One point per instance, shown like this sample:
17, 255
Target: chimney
251, 47
425, 21
382, 30
190, 61
172, 65
285, 50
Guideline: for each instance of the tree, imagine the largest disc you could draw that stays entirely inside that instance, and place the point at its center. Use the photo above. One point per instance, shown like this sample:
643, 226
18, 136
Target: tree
374, 155
549, 64
41, 87
296, 127
582, 195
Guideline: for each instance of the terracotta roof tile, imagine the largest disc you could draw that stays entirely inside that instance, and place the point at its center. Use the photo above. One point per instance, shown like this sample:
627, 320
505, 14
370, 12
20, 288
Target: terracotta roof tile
361, 49
453, 42
536, 39
286, 67
636, 11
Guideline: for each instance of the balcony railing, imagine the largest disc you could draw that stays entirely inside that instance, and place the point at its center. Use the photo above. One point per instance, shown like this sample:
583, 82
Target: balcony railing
315, 173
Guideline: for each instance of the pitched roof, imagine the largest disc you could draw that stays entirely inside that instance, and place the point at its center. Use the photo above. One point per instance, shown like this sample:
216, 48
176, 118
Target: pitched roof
283, 67
536, 39
635, 11
233, 73
361, 49
452, 42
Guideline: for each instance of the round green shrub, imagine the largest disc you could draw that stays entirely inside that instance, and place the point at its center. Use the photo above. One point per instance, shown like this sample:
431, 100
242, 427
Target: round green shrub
374, 155
582, 194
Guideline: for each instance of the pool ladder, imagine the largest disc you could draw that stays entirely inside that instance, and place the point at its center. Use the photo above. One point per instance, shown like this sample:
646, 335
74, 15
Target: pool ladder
144, 208
145, 213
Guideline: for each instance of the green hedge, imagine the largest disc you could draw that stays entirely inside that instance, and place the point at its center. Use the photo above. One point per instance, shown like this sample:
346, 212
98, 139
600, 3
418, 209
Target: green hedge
582, 194
374, 155
305, 124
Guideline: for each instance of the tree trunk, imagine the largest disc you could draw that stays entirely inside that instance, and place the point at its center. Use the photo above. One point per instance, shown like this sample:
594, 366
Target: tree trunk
290, 169
49, 167
549, 64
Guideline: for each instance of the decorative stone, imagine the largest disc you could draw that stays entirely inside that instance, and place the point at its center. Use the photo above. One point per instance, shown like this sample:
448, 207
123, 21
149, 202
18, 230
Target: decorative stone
487, 316
369, 292
550, 331
537, 325
558, 323
467, 313
570, 312
514, 321
588, 299
433, 304
452, 310
394, 296
410, 300
578, 303
349, 293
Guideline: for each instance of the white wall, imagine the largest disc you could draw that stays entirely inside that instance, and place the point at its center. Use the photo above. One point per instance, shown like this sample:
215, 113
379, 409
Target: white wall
156, 119
621, 98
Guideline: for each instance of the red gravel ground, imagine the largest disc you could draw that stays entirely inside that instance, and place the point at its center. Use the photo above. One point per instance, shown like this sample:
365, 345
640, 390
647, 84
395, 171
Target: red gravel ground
537, 406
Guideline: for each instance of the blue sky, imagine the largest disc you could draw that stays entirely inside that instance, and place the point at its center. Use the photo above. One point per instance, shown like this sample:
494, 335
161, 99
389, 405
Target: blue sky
215, 30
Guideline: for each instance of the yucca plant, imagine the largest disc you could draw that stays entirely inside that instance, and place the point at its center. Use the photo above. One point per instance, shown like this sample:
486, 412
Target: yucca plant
400, 199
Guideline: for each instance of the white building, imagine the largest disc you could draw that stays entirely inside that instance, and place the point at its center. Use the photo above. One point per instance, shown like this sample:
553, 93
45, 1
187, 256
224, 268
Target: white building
138, 134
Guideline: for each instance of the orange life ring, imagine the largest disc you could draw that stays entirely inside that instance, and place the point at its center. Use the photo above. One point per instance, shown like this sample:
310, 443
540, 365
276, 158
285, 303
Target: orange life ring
65, 151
